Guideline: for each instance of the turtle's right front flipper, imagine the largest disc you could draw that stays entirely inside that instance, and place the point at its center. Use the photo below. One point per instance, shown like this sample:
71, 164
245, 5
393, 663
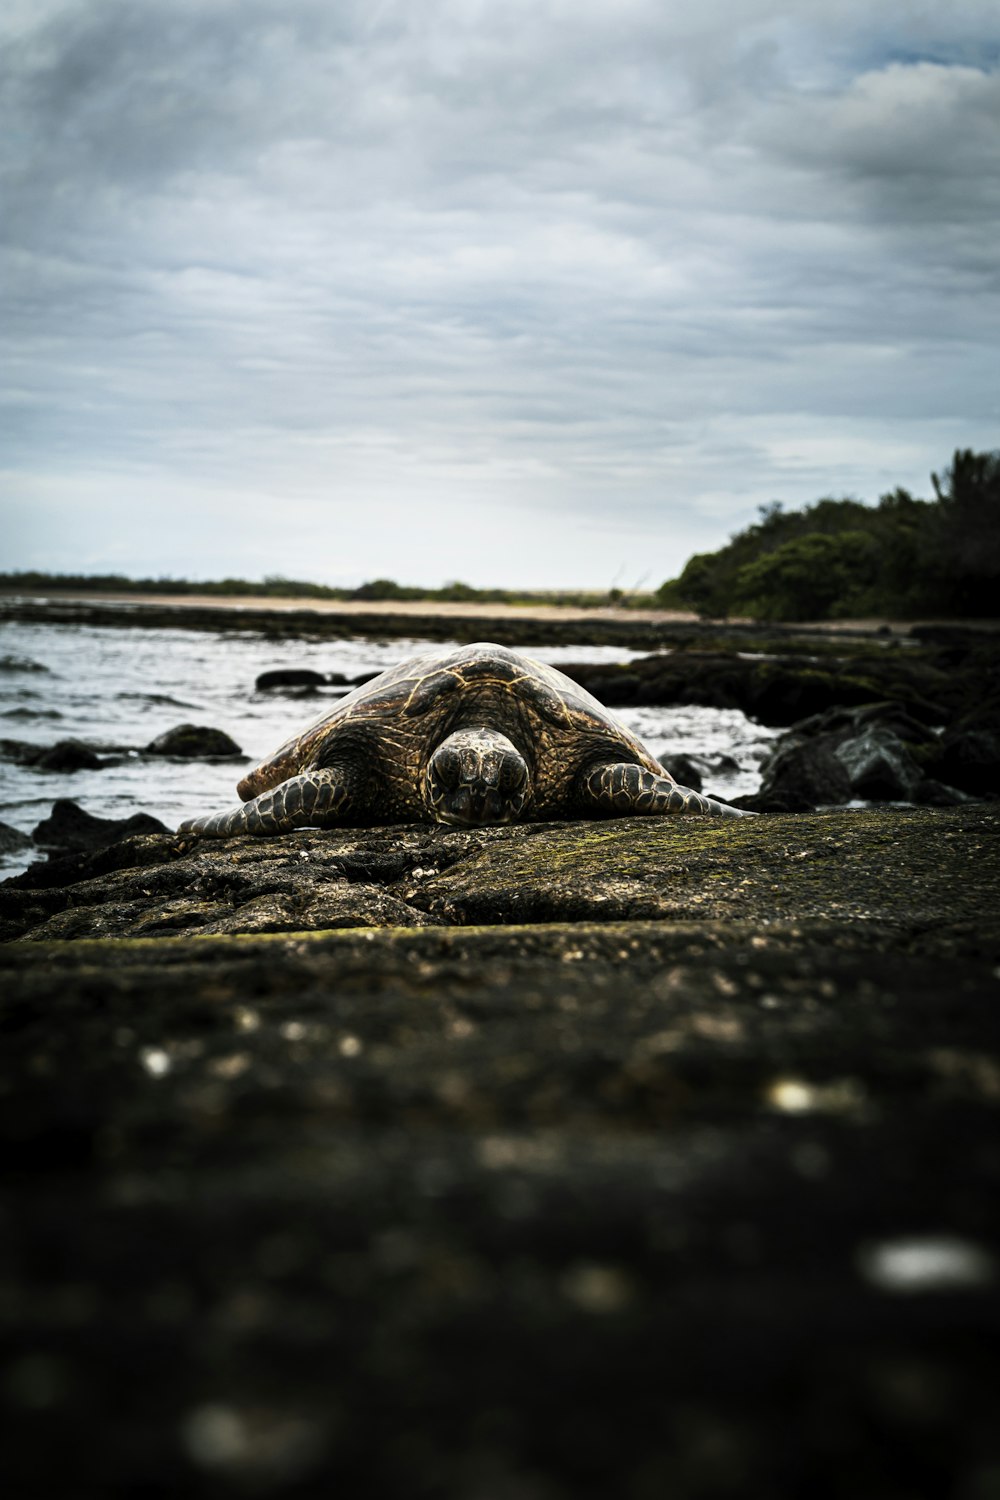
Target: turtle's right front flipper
316, 799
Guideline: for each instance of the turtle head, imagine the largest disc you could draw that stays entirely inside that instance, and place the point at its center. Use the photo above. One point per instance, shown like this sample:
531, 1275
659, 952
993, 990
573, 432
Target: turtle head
476, 776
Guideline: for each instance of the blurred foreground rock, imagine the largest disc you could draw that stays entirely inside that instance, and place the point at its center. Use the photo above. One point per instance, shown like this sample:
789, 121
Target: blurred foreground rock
678, 1174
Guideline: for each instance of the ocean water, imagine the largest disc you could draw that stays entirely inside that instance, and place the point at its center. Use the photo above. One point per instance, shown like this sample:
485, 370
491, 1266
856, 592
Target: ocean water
117, 689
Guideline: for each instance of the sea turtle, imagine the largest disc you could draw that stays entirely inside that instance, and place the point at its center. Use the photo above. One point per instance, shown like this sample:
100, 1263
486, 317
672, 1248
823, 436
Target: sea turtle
467, 737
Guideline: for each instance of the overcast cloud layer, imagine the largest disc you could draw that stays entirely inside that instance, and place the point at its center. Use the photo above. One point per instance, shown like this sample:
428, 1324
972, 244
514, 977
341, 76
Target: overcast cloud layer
542, 293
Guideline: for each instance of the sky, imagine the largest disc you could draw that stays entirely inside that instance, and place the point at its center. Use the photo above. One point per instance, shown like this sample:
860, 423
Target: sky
540, 293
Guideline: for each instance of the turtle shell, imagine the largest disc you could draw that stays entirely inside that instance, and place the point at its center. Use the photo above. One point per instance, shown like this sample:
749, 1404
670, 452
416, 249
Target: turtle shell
407, 710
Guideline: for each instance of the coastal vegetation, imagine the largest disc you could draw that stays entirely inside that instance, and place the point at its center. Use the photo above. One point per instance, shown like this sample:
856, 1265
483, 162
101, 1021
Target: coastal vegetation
838, 559
276, 587
835, 559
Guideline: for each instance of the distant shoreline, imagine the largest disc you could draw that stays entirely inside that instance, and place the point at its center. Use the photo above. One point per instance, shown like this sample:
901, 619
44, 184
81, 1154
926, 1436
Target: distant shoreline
452, 610
515, 625
506, 624
443, 608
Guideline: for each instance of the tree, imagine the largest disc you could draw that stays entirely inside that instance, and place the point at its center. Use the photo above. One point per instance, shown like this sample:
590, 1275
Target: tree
809, 578
963, 544
380, 588
701, 586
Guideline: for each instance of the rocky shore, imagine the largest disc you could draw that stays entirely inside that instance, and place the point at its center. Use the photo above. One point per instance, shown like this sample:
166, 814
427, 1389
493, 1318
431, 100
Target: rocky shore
643, 1158
640, 1157
911, 718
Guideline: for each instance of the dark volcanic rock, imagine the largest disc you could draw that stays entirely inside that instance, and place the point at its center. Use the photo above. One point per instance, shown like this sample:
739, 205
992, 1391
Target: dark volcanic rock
931, 793
801, 775
683, 769
774, 690
21, 752
969, 758
290, 677
628, 869
195, 741
11, 662
70, 828
12, 839
876, 752
879, 766
846, 723
69, 755
699, 1206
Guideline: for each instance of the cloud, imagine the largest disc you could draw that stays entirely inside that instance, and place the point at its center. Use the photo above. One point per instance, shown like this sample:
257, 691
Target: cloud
606, 275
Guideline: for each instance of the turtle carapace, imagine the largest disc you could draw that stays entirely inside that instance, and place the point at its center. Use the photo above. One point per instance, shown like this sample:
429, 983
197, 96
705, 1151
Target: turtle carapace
475, 736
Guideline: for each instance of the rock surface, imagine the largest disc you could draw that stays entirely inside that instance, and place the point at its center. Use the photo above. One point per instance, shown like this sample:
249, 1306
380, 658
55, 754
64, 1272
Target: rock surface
69, 828
874, 753
687, 1185
66, 755
660, 869
683, 769
195, 741
777, 690
12, 838
969, 758
290, 677
69, 755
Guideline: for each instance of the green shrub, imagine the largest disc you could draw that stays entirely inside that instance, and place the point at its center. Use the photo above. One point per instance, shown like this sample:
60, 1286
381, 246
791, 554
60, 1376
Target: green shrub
838, 558
809, 578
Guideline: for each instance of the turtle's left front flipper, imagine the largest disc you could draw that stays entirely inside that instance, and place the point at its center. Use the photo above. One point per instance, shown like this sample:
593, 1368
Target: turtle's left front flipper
316, 799
618, 790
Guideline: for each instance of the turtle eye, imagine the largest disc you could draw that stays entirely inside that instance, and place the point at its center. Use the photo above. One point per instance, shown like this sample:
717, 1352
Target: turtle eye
446, 765
513, 772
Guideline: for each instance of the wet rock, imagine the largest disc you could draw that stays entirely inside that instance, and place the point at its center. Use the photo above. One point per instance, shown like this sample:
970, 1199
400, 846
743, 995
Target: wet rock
12, 662
194, 741
931, 793
776, 691
290, 677
69, 755
882, 752
969, 759
21, 752
779, 693
879, 766
846, 722
684, 770
70, 828
12, 839
799, 776
720, 764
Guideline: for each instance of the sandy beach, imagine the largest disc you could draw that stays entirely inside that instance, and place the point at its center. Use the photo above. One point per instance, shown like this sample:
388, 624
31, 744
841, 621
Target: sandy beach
471, 610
